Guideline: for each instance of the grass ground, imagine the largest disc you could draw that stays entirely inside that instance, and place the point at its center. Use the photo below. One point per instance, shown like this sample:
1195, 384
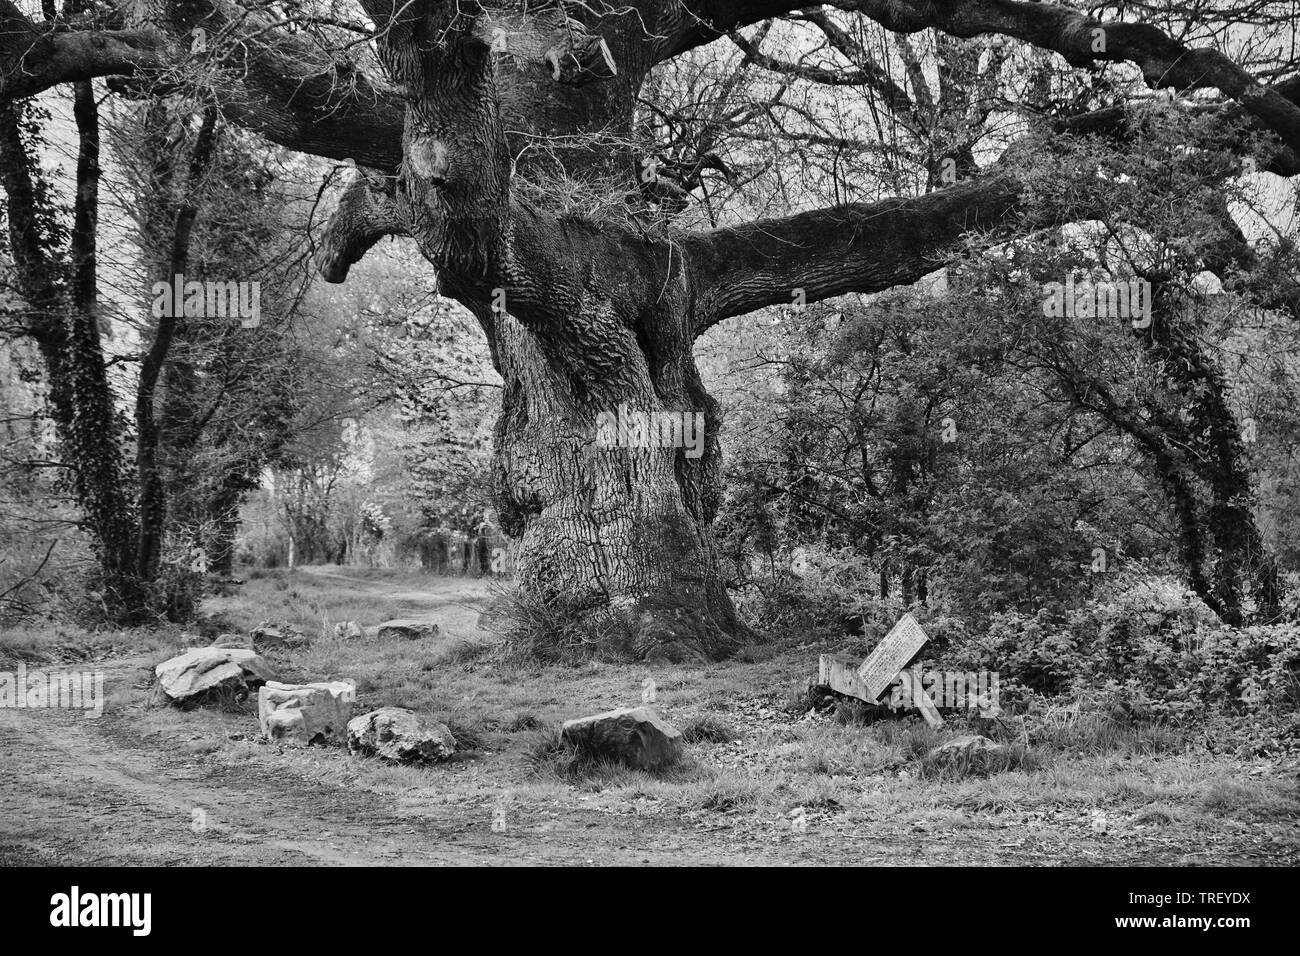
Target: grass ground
763, 781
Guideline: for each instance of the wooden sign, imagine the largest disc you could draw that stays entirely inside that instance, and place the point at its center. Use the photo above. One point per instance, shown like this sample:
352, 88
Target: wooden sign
885, 668
898, 649
839, 672
915, 693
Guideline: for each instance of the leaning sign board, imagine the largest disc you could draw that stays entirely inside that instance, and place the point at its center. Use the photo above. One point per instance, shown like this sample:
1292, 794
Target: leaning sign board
882, 670
898, 648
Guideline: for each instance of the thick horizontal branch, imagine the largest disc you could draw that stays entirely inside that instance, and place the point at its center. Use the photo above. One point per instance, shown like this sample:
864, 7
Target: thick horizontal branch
34, 59
868, 248
1080, 39
863, 247
274, 82
300, 98
367, 212
262, 78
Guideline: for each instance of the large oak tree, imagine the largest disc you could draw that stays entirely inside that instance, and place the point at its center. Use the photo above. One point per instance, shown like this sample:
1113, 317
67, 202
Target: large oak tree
455, 110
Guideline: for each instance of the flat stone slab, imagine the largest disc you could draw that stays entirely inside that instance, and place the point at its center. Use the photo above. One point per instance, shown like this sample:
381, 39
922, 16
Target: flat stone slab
408, 628
966, 746
839, 672
205, 668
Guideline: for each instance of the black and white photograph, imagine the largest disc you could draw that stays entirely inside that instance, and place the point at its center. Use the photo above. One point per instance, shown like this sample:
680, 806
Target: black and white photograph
650, 433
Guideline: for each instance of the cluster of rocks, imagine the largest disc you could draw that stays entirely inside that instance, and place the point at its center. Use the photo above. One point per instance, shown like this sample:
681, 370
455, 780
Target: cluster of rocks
408, 628
322, 712
276, 635
300, 714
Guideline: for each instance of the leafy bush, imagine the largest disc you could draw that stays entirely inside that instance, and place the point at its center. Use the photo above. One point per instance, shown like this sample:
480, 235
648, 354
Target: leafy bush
1251, 668
1155, 652
1033, 651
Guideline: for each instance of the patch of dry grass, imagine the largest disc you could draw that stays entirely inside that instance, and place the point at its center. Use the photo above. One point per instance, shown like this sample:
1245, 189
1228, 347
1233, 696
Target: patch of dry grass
35, 643
316, 598
707, 728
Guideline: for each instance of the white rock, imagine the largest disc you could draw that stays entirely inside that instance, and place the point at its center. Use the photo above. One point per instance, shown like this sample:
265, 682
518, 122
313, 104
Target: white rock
205, 668
970, 744
348, 631
397, 734
304, 714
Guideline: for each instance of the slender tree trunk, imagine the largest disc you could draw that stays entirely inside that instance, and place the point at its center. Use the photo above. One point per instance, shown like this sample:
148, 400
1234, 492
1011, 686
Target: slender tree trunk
63, 298
1238, 564
1199, 458
152, 505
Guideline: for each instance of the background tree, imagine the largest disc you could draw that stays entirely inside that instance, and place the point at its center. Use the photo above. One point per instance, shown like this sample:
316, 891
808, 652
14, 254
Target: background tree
203, 417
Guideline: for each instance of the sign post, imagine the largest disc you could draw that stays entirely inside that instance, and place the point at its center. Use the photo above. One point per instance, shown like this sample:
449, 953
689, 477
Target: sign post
883, 666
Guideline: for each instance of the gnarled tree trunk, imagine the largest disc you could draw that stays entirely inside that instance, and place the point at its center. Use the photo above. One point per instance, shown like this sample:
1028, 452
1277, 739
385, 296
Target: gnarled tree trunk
620, 532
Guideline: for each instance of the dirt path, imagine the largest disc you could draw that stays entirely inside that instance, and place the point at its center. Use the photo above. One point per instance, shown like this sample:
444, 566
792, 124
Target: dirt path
73, 791
440, 593
109, 791
455, 603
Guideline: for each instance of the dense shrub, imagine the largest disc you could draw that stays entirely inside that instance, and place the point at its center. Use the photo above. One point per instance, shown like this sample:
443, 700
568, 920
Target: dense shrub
1153, 651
